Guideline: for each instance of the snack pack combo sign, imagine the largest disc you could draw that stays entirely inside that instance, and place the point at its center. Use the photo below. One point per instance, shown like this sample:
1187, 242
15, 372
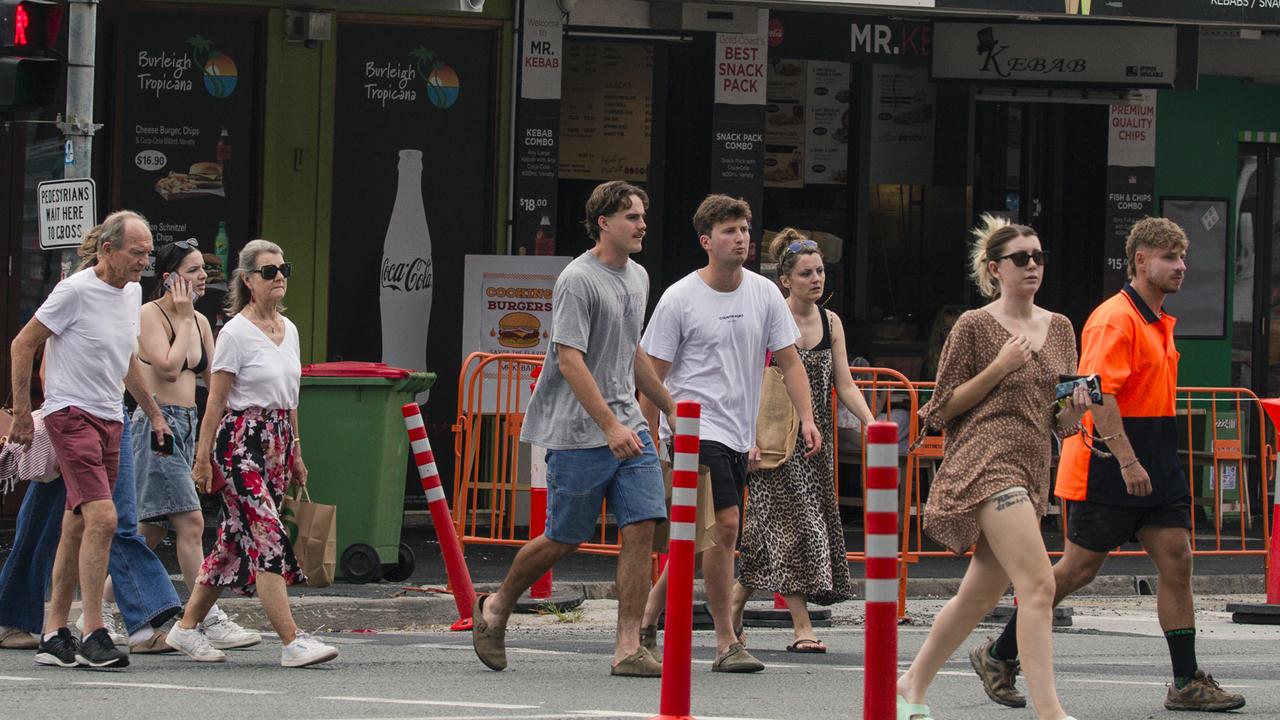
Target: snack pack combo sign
186, 127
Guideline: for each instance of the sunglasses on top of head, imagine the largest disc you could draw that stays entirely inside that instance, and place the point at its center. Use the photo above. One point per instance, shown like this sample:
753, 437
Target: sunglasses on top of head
799, 245
268, 272
1022, 257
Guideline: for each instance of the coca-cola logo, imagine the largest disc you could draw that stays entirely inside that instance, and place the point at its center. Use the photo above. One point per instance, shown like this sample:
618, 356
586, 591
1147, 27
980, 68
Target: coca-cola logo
410, 276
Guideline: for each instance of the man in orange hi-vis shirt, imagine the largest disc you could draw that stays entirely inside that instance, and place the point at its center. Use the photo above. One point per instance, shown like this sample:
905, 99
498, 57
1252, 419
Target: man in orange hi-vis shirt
1129, 484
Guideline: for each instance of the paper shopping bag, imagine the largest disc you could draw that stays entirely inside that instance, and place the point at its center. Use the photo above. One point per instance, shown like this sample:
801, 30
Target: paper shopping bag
703, 537
313, 530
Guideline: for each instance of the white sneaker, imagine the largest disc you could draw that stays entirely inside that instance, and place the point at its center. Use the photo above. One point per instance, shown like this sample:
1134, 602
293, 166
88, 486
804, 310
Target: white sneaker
108, 622
225, 634
194, 644
306, 650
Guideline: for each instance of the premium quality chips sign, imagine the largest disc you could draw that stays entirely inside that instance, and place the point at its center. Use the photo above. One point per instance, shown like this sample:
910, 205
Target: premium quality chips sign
185, 127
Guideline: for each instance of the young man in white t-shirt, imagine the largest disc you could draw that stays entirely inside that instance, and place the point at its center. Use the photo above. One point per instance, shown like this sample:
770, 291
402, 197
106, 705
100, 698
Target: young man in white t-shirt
91, 322
707, 340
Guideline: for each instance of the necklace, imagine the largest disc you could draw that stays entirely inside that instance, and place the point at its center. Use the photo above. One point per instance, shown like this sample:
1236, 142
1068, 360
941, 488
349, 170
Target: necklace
269, 327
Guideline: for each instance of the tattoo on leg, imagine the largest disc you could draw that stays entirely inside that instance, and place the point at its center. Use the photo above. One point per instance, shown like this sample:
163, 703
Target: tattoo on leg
1005, 502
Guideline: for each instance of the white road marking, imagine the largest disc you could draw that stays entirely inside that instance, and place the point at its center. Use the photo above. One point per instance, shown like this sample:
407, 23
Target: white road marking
510, 650
16, 678
434, 703
620, 713
165, 686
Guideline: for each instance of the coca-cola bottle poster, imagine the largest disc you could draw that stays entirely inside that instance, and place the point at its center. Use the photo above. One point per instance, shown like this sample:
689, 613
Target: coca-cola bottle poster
413, 193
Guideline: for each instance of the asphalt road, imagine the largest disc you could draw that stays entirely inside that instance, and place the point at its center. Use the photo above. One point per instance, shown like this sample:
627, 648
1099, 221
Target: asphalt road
1111, 666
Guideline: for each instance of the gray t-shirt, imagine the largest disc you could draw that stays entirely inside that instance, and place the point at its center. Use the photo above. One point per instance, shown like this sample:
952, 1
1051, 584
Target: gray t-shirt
599, 310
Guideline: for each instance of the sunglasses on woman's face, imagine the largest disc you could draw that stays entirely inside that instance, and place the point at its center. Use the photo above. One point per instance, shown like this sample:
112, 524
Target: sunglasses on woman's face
268, 272
1020, 258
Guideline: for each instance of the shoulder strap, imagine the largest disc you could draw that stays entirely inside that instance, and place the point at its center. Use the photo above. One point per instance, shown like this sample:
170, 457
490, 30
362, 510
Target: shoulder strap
173, 333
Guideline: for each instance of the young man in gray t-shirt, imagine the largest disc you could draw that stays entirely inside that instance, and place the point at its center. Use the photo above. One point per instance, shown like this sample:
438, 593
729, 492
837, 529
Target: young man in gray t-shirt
585, 413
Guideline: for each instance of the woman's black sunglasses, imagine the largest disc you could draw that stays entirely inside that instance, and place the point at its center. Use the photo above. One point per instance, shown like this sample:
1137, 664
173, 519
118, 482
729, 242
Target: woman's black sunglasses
1020, 258
268, 272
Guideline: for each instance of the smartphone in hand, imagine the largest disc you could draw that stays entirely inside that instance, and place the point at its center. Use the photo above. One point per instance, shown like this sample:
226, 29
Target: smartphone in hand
164, 448
1067, 384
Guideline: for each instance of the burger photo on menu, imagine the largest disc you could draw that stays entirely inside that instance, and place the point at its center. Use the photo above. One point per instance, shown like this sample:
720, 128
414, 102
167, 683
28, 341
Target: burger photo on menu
519, 330
202, 179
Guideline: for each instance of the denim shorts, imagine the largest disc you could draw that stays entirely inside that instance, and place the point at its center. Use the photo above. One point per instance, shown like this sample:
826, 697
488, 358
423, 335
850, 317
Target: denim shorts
578, 481
164, 481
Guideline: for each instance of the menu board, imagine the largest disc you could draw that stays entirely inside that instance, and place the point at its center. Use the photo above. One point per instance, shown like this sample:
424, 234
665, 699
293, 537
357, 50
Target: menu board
826, 149
902, 119
785, 124
606, 111
185, 128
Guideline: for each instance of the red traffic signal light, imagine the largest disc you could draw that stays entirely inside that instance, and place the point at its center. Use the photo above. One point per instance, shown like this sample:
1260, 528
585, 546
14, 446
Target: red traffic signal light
29, 26
28, 75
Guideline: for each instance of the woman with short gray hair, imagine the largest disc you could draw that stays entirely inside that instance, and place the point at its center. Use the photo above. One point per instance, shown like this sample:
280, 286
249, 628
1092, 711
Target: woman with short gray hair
249, 453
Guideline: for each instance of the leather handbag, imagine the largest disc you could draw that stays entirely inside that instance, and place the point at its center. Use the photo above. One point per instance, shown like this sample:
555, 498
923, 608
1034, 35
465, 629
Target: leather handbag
777, 424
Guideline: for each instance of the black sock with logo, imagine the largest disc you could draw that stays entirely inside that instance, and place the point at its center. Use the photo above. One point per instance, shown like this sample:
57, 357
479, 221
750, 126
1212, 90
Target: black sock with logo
1182, 651
1006, 646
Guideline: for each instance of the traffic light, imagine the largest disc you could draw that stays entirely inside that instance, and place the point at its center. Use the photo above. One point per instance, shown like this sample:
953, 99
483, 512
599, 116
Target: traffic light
28, 35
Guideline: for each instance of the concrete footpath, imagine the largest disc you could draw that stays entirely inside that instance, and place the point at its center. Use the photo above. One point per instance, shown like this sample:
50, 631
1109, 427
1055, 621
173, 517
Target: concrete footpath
1124, 588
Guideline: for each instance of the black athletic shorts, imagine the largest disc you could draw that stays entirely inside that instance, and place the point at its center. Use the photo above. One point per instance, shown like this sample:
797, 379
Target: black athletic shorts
1102, 528
728, 472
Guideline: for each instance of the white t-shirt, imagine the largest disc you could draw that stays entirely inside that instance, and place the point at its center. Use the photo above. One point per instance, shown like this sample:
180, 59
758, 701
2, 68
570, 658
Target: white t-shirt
716, 343
267, 375
95, 333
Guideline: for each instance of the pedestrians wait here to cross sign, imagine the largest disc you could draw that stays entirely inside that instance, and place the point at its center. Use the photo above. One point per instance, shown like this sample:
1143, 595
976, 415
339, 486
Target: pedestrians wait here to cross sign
67, 209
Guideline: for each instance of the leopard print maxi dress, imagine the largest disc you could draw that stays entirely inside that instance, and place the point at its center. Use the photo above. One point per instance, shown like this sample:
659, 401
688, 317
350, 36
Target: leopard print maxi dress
792, 541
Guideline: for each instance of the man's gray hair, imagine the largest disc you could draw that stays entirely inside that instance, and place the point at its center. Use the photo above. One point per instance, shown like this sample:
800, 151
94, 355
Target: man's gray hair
111, 230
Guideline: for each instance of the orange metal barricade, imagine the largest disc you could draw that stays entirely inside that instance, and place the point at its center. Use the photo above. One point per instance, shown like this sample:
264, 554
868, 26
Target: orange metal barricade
1223, 444
1225, 447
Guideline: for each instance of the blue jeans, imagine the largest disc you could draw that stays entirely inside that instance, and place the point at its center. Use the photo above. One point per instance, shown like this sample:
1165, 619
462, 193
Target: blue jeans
144, 592
578, 481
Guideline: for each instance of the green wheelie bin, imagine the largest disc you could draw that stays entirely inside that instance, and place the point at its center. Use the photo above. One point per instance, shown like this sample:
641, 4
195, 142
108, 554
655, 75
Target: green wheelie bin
356, 450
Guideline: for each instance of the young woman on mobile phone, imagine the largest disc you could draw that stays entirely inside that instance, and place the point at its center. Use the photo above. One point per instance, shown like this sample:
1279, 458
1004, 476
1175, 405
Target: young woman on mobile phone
175, 345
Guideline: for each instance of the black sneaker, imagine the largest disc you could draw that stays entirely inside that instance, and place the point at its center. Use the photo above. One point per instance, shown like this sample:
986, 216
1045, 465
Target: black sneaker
59, 650
97, 651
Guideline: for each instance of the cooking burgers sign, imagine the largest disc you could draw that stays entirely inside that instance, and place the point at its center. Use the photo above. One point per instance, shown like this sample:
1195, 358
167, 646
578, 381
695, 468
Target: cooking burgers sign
508, 303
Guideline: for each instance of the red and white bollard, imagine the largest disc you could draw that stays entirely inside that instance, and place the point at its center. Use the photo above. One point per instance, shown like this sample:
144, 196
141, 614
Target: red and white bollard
1268, 614
541, 589
881, 649
677, 645
464, 595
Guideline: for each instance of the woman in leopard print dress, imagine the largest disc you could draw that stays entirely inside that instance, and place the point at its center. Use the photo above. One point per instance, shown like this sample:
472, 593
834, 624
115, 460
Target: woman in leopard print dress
792, 540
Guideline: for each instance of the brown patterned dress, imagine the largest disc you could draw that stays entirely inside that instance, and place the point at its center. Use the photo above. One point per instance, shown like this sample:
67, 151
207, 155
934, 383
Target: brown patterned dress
1002, 442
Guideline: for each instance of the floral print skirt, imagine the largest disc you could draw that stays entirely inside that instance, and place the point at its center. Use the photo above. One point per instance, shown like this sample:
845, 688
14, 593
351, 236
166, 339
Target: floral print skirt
253, 451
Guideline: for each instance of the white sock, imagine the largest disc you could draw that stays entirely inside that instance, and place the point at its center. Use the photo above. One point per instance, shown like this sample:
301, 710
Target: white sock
142, 635
214, 612
49, 636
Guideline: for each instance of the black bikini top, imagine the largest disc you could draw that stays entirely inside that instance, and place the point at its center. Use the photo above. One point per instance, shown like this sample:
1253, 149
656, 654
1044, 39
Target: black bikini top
173, 335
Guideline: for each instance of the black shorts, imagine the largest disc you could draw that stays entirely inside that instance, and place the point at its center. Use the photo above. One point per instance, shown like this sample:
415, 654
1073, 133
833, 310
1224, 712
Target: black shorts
728, 473
1102, 528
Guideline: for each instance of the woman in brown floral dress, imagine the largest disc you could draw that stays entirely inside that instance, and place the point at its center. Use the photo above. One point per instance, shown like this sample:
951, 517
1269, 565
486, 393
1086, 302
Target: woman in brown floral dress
995, 399
792, 539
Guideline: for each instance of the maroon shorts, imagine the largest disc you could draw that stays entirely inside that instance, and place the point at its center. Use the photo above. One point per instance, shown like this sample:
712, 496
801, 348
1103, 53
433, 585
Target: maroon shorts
88, 450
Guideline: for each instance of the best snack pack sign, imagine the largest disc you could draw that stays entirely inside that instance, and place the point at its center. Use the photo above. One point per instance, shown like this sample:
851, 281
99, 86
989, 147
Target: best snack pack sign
185, 127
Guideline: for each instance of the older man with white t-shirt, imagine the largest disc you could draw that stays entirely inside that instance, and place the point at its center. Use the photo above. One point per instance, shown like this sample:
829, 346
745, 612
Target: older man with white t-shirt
91, 322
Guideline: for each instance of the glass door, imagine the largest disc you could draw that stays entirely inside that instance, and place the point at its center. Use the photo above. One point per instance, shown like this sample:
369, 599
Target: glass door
1255, 361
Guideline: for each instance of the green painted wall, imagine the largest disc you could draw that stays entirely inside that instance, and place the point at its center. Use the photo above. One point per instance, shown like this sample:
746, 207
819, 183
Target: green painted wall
1196, 150
298, 157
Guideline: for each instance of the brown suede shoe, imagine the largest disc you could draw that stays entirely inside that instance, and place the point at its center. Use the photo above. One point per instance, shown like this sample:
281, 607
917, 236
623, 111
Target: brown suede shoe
1204, 694
737, 660
998, 676
649, 639
15, 639
154, 646
489, 643
638, 664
